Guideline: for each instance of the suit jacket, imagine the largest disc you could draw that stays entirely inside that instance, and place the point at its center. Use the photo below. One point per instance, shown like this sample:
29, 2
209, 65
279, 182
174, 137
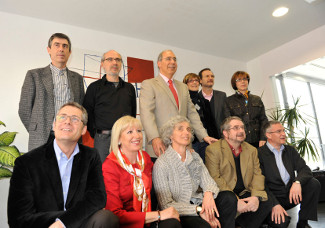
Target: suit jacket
36, 106
292, 162
219, 99
35, 193
158, 105
221, 164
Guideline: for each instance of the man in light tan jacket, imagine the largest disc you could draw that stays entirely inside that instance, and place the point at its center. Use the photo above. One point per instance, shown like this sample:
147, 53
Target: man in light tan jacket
234, 165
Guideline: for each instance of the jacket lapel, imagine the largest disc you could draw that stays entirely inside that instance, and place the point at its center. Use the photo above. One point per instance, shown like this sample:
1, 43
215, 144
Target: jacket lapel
47, 79
228, 154
165, 87
71, 82
244, 158
75, 176
52, 170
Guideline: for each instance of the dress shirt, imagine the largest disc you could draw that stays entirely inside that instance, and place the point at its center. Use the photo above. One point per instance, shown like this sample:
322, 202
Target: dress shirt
206, 96
65, 167
61, 87
167, 79
278, 159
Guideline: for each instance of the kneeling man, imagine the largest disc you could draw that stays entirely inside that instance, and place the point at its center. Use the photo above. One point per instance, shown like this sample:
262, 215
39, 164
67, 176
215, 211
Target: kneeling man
279, 163
60, 184
234, 165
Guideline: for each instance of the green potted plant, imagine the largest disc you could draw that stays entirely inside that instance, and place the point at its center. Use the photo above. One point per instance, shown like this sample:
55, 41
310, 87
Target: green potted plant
8, 153
291, 118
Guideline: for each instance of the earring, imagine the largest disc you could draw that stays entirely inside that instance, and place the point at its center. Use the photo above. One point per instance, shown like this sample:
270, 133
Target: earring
119, 143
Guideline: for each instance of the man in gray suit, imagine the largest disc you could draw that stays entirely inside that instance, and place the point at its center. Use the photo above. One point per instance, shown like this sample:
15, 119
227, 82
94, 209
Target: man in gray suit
163, 97
46, 89
215, 97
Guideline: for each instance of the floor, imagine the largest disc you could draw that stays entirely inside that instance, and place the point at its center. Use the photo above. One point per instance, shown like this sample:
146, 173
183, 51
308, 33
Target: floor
321, 217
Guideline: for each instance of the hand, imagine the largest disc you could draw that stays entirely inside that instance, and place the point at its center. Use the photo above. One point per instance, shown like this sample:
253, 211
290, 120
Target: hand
209, 206
278, 214
209, 139
241, 206
295, 193
158, 146
261, 143
252, 203
57, 224
214, 222
169, 213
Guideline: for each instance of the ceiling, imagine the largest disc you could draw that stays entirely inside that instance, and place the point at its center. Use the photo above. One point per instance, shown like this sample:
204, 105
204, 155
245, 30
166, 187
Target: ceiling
235, 29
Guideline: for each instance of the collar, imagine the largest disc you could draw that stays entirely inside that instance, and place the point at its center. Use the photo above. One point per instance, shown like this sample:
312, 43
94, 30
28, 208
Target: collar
272, 148
57, 70
165, 78
104, 80
207, 95
59, 153
233, 150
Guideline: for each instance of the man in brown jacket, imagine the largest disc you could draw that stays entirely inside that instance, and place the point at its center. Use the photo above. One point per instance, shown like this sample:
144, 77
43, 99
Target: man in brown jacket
234, 165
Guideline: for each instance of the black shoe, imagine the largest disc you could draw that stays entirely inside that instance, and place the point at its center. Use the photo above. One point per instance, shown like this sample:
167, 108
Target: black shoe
303, 224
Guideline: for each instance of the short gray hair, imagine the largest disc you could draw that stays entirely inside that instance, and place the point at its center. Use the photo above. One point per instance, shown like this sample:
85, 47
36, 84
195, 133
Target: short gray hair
269, 124
161, 54
167, 129
225, 126
84, 116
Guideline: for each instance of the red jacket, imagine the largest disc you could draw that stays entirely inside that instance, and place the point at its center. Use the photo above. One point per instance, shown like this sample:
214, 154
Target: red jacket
120, 191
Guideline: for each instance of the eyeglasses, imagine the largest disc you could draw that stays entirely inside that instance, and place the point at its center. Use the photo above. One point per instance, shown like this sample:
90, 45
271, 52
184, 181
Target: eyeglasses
241, 79
73, 119
170, 59
192, 80
277, 132
236, 128
110, 59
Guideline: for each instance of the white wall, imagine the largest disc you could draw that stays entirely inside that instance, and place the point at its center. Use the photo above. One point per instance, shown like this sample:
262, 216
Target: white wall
296, 52
23, 47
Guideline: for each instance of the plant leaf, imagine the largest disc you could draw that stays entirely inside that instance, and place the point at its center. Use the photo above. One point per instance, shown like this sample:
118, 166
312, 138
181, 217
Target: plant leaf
6, 138
4, 172
8, 155
2, 123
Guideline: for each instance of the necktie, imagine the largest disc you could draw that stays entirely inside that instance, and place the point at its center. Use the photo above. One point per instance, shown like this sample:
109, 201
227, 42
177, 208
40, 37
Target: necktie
171, 87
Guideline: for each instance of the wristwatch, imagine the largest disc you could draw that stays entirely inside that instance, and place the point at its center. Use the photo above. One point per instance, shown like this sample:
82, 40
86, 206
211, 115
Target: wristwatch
298, 182
198, 209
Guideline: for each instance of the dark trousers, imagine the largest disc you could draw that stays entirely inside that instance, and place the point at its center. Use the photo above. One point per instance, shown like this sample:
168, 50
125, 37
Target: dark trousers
308, 205
254, 219
167, 223
199, 148
102, 219
102, 143
226, 203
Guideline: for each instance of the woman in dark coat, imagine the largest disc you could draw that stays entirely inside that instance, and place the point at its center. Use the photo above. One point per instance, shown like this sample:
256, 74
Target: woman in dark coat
202, 106
248, 107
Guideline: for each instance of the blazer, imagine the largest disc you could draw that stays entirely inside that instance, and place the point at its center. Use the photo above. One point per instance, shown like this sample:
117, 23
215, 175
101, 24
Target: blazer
36, 105
120, 191
177, 182
219, 99
292, 162
158, 105
35, 192
221, 164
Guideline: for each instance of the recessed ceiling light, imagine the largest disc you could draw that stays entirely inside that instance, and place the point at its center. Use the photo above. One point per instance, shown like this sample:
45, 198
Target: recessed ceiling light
279, 12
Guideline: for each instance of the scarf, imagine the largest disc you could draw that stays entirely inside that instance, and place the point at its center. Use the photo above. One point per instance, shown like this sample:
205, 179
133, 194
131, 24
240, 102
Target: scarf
141, 198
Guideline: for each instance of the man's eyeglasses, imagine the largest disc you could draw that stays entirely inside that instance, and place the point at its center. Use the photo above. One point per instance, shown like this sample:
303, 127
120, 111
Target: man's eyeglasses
170, 59
110, 59
241, 79
277, 132
73, 119
236, 128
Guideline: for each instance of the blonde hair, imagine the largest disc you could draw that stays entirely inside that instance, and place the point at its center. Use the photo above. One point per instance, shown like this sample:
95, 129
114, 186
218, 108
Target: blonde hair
120, 125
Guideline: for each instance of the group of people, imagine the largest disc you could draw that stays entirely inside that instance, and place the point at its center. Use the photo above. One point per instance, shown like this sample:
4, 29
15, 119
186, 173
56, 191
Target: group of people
239, 172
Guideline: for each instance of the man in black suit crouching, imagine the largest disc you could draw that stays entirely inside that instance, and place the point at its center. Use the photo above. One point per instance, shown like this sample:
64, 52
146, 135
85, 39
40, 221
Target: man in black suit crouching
60, 184
279, 163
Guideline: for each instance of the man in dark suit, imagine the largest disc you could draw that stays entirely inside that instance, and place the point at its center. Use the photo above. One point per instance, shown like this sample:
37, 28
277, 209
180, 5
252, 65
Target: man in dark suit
46, 89
279, 163
60, 184
215, 97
